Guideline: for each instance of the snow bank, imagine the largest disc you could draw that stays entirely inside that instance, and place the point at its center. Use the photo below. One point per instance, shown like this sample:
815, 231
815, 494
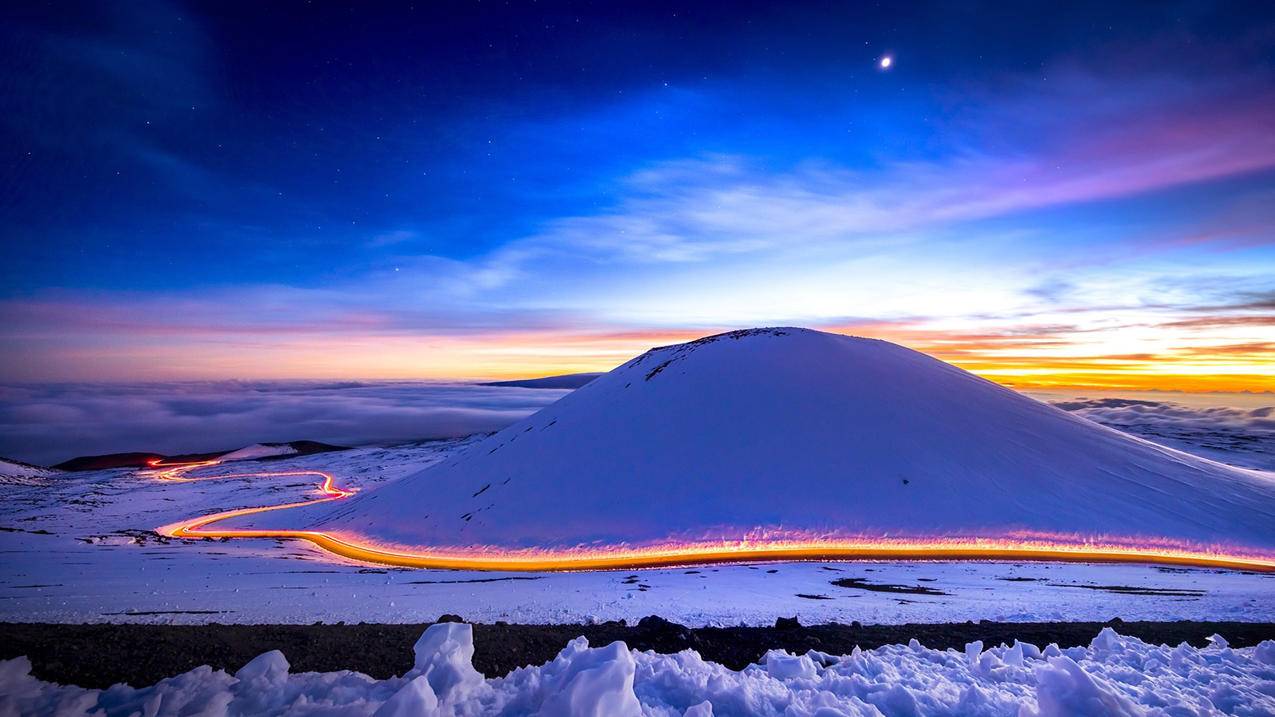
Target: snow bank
19, 473
1114, 675
259, 450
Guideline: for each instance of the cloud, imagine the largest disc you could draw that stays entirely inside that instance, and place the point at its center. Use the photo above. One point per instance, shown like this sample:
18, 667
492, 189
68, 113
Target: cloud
718, 240
1242, 436
720, 205
52, 423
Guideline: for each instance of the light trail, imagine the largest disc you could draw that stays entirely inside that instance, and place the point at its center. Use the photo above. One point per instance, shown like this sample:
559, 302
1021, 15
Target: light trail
673, 555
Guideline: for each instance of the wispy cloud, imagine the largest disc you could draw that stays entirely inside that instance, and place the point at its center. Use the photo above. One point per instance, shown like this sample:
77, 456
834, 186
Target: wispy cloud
999, 249
695, 210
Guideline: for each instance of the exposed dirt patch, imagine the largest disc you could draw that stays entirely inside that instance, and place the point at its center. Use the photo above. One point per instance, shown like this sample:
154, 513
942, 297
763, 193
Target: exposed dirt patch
1132, 590
473, 580
863, 584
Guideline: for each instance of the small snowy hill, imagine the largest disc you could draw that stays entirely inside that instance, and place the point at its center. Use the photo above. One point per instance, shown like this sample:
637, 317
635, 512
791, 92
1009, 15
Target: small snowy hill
795, 432
263, 451
18, 473
259, 450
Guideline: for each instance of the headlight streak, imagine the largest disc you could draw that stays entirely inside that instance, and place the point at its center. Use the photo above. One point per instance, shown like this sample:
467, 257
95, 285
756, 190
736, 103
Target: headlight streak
791, 549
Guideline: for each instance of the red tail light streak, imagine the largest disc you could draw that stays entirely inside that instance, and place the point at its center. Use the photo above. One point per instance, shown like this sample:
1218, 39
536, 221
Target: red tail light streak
360, 549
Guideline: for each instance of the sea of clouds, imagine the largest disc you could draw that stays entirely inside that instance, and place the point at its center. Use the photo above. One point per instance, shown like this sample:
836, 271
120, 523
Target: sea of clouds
47, 424
50, 423
1243, 436
1114, 676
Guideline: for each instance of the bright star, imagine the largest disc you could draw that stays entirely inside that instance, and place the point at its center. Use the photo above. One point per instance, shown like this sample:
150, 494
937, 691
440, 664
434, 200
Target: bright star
885, 62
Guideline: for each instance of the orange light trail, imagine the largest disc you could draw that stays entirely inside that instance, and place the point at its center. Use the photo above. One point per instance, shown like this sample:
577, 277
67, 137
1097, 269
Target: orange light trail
627, 558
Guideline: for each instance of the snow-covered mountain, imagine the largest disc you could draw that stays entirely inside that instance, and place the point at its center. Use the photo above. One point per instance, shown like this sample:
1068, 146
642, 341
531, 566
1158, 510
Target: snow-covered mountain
18, 473
789, 432
259, 450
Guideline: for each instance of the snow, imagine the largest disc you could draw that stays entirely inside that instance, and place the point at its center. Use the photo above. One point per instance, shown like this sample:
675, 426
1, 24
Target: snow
259, 450
791, 432
19, 473
1113, 676
104, 519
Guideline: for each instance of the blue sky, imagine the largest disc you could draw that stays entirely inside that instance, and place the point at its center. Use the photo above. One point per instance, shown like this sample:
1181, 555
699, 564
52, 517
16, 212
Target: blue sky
1045, 194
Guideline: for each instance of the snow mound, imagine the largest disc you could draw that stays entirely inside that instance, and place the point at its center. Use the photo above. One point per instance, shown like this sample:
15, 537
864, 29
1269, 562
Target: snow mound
791, 432
1114, 675
259, 450
18, 473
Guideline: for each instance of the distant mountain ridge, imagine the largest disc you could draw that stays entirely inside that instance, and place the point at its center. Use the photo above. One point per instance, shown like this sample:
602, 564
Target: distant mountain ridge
258, 451
566, 380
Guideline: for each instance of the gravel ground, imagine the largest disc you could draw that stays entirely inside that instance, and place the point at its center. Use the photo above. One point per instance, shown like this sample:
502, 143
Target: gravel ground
99, 655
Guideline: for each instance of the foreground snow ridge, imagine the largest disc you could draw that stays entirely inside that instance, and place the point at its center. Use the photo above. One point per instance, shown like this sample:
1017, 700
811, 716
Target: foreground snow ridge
1114, 675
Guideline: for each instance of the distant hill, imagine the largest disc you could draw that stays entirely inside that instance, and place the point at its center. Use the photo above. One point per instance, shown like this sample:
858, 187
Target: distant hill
257, 451
18, 473
111, 460
569, 380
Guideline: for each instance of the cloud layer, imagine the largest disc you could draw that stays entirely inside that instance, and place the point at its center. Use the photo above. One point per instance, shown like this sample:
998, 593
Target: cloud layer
51, 423
1241, 436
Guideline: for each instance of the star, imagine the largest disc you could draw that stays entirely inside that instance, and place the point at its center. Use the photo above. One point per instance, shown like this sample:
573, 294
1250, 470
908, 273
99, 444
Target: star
886, 62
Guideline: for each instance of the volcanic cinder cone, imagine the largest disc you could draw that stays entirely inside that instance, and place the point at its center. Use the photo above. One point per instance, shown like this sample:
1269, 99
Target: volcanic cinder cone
791, 432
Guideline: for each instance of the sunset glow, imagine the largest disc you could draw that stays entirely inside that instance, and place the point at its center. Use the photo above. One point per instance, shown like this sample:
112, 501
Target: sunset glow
1047, 212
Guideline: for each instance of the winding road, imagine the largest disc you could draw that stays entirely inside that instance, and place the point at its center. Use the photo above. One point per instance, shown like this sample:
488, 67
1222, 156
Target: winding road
628, 558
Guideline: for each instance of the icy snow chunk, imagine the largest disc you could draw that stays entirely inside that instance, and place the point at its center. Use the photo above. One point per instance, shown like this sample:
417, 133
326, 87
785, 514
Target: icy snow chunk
1014, 655
1028, 649
783, 666
1107, 639
972, 651
266, 669
260, 683
1063, 689
1265, 652
415, 699
592, 683
202, 691
445, 655
703, 709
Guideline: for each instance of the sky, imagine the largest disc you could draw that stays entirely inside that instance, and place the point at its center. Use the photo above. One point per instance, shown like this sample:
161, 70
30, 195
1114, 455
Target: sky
1069, 195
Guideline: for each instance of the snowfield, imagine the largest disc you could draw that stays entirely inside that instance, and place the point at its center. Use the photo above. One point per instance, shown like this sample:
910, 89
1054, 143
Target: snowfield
1114, 675
82, 549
